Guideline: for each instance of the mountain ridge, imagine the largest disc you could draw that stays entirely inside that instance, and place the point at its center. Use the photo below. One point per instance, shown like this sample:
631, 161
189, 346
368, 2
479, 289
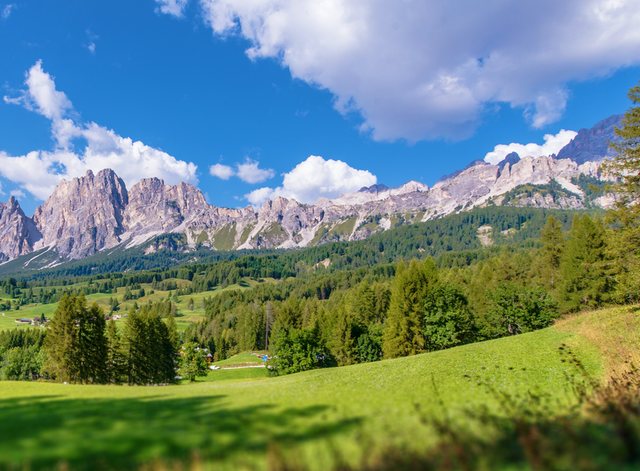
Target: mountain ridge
96, 212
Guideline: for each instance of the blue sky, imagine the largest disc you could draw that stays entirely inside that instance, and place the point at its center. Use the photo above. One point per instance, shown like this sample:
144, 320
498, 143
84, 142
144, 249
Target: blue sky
199, 84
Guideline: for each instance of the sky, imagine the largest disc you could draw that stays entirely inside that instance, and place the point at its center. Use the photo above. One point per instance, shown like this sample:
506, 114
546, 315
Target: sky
252, 99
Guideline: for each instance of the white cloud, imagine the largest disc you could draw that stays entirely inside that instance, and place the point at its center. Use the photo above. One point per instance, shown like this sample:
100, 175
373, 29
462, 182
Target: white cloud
259, 196
224, 172
172, 7
91, 47
315, 178
38, 172
419, 69
41, 94
7, 10
552, 145
250, 172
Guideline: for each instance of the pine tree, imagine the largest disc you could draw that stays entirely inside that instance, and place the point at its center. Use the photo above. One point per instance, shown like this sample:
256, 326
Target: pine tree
115, 356
552, 241
585, 266
342, 342
76, 345
626, 215
150, 350
403, 329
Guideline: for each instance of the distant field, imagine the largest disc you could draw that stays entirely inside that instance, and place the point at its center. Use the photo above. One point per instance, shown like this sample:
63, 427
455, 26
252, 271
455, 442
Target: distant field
185, 314
245, 419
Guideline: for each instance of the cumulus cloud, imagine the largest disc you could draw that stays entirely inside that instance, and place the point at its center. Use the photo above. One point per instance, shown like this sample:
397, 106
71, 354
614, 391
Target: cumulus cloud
316, 178
552, 145
223, 172
172, 7
41, 95
416, 69
39, 171
250, 172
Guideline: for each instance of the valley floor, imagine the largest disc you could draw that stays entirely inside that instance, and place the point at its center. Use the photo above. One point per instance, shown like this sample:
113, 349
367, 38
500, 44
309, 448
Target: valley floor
316, 419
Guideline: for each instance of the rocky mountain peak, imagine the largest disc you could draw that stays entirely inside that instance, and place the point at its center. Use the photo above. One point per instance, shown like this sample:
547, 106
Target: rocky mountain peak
83, 215
96, 211
18, 233
410, 187
593, 144
155, 207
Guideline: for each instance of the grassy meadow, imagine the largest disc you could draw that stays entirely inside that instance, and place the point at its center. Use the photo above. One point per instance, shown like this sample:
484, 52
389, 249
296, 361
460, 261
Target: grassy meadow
185, 314
243, 419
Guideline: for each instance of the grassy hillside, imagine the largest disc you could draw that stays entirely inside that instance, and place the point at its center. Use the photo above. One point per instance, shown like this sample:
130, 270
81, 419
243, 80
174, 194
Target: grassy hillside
320, 417
186, 315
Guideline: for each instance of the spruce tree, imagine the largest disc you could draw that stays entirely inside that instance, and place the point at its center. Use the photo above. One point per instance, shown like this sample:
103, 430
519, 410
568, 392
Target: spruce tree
150, 351
585, 266
625, 166
76, 346
403, 329
552, 241
115, 356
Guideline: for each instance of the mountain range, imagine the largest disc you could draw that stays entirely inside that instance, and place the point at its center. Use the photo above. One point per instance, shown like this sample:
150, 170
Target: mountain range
97, 212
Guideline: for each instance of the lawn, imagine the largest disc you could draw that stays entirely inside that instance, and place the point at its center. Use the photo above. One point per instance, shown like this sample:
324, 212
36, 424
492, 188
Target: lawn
319, 417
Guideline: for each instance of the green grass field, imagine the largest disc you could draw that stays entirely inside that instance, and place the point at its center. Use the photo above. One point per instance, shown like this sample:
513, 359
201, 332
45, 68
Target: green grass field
243, 420
185, 314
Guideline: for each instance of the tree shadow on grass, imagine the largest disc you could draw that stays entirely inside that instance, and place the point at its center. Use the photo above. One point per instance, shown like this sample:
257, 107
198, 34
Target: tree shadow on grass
43, 432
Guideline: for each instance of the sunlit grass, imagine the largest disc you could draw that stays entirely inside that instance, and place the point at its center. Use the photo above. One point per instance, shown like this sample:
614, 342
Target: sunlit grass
236, 418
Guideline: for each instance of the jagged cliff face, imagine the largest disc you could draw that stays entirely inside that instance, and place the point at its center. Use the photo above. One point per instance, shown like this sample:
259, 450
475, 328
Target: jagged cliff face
97, 212
592, 145
83, 215
156, 208
18, 233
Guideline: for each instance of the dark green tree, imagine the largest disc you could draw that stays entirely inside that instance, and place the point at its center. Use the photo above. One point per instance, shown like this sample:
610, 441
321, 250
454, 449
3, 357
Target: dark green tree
552, 241
116, 360
369, 344
149, 349
585, 266
625, 217
296, 350
76, 345
517, 309
403, 329
447, 319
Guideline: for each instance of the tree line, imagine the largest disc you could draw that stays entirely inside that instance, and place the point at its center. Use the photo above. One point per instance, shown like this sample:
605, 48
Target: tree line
81, 346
